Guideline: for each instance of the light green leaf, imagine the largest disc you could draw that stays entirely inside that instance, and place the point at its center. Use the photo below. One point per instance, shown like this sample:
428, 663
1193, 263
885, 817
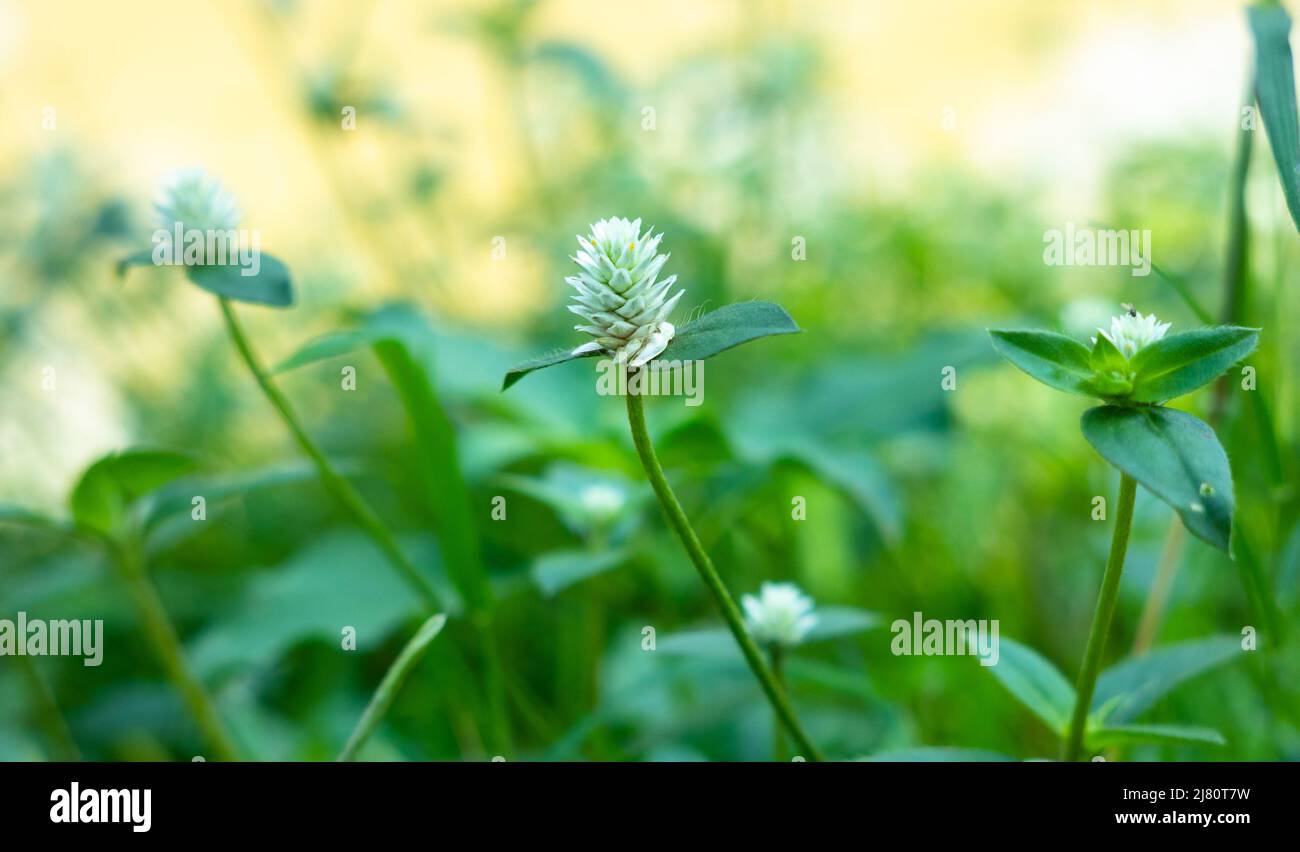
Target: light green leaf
326, 346
556, 571
1110, 368
270, 286
717, 331
1275, 89
835, 621
1053, 359
1035, 682
396, 675
940, 755
1176, 456
1181, 363
101, 497
1109, 735
1128, 689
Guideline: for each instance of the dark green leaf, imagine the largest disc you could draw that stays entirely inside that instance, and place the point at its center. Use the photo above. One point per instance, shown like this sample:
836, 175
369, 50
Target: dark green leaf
270, 286
1275, 89
1181, 363
1128, 689
1164, 734
1176, 456
1053, 359
728, 326
1035, 682
556, 571
144, 257
101, 497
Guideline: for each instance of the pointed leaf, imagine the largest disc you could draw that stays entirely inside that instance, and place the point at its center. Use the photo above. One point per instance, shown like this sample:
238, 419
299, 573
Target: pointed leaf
1176, 456
559, 356
1035, 682
1053, 359
1164, 734
271, 285
1181, 363
1128, 689
553, 572
1275, 89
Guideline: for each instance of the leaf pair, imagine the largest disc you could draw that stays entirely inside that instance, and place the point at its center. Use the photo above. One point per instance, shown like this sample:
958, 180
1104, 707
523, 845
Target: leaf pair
728, 326
270, 285
1123, 693
1170, 367
109, 487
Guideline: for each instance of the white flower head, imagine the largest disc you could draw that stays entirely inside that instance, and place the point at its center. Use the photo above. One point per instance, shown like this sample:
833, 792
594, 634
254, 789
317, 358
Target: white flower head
1131, 331
780, 615
601, 500
196, 200
624, 305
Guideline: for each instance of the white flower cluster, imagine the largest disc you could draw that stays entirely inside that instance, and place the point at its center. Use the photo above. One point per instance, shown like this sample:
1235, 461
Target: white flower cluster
780, 615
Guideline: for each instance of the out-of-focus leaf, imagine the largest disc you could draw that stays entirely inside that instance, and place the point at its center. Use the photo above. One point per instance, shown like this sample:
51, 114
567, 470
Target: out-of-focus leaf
835, 621
105, 490
1176, 456
338, 582
1275, 89
1181, 363
271, 285
940, 755
396, 675
1035, 682
1053, 359
1163, 734
857, 475
553, 572
144, 257
1127, 690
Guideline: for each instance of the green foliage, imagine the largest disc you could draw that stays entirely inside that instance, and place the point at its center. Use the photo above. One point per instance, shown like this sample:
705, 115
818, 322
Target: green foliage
1270, 26
271, 285
1175, 456
108, 487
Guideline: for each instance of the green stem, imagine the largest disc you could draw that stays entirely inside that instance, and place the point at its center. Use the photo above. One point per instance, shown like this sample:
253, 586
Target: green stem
677, 517
333, 481
778, 735
496, 684
48, 714
1101, 619
162, 635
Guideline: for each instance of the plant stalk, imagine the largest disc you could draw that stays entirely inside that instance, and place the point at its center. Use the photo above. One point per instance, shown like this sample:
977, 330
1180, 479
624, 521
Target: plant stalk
162, 635
730, 612
1101, 619
334, 482
774, 656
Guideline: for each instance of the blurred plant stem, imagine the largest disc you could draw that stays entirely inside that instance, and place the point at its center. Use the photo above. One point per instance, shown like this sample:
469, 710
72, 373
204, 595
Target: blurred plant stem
333, 481
157, 624
778, 734
730, 612
1101, 619
48, 714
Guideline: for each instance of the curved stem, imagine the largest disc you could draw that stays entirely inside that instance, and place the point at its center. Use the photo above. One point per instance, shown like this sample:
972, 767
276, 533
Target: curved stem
677, 517
162, 635
1101, 619
333, 481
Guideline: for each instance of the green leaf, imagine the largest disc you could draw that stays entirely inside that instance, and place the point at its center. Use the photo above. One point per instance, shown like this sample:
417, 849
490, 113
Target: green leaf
728, 326
836, 621
396, 675
1110, 368
1275, 89
553, 572
326, 346
1053, 359
940, 755
559, 356
1164, 734
1128, 689
717, 331
143, 257
108, 487
1035, 682
1181, 363
1176, 456
270, 286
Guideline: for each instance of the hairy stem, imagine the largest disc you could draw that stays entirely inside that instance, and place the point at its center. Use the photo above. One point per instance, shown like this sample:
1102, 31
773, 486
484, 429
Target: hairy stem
1073, 747
162, 635
730, 612
334, 482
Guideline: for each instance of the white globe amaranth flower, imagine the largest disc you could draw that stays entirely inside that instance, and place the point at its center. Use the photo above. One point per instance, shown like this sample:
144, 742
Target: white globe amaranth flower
624, 305
1131, 331
780, 615
196, 200
602, 501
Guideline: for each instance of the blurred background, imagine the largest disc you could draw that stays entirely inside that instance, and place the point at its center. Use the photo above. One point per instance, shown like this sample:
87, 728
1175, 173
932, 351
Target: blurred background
916, 151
